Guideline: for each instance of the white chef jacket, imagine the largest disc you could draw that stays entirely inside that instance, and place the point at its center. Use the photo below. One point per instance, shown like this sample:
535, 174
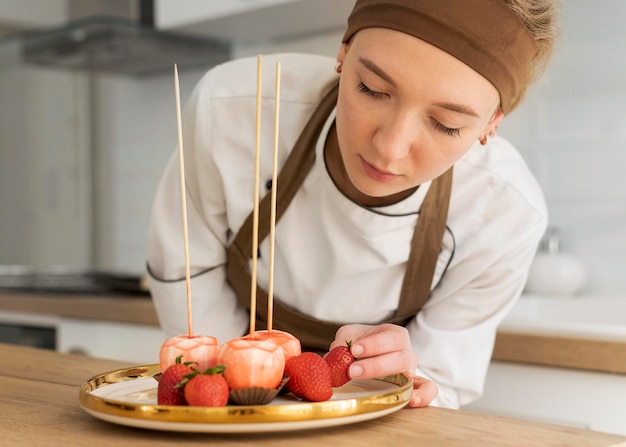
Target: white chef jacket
334, 259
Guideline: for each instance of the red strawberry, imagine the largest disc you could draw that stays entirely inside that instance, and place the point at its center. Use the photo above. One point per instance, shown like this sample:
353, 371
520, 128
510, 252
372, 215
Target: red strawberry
309, 377
340, 359
207, 389
169, 392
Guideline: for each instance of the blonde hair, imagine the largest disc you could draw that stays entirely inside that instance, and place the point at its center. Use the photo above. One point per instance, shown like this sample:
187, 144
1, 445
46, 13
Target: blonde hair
541, 19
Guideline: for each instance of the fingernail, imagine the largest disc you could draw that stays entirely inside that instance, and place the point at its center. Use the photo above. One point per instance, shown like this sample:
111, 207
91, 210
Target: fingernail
355, 371
357, 350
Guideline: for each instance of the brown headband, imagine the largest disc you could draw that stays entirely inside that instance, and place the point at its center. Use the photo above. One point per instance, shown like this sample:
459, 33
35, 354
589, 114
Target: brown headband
484, 34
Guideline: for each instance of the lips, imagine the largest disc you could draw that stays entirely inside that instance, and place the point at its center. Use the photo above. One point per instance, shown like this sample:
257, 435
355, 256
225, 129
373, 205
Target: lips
377, 174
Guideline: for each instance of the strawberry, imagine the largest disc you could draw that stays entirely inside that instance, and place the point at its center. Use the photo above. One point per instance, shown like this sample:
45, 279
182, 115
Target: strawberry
340, 359
169, 392
309, 377
207, 389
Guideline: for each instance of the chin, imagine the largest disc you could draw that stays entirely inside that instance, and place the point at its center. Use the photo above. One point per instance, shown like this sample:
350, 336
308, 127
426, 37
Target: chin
377, 190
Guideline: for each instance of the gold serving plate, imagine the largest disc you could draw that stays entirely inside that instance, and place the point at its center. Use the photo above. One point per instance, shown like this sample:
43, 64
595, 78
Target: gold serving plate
128, 397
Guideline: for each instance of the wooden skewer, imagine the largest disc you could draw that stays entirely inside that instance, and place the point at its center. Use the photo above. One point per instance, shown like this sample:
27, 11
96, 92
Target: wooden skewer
183, 200
270, 286
255, 213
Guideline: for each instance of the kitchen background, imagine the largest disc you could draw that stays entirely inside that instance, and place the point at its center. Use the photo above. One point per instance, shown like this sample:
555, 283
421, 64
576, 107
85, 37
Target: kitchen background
82, 151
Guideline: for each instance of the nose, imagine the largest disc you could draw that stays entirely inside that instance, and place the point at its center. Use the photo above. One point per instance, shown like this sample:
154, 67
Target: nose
395, 137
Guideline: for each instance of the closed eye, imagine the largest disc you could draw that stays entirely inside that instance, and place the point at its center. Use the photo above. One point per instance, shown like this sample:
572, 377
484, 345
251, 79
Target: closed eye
361, 87
450, 131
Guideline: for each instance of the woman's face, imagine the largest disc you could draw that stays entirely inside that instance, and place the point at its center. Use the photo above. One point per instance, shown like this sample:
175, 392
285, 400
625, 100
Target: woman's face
407, 110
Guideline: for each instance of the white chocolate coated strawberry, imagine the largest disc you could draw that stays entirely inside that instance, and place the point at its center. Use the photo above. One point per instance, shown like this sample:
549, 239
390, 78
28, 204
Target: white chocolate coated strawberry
201, 349
252, 362
290, 343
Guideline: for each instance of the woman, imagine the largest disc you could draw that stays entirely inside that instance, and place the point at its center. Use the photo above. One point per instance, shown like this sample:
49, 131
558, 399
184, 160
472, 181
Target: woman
406, 225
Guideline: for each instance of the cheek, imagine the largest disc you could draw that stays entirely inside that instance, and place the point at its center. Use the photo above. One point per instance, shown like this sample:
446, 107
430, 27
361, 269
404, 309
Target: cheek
446, 155
432, 156
347, 119
355, 123
448, 150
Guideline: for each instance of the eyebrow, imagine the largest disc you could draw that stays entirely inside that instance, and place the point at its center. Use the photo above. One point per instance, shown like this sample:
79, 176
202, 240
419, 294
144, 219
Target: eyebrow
371, 66
458, 108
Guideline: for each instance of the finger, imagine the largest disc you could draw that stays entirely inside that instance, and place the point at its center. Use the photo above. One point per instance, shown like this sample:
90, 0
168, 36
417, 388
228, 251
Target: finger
424, 392
383, 365
349, 332
380, 340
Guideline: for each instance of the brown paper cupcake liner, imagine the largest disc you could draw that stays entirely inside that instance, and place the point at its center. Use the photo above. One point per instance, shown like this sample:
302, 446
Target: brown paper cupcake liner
256, 395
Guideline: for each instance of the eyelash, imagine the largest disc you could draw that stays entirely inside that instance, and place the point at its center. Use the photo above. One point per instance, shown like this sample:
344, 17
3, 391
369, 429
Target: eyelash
369, 92
451, 132
447, 130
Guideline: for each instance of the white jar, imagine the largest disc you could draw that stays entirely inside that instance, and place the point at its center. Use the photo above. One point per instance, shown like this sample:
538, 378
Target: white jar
553, 272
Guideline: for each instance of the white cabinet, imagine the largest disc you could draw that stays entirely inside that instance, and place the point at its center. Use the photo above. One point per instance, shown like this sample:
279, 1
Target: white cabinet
575, 398
169, 14
28, 13
246, 21
135, 343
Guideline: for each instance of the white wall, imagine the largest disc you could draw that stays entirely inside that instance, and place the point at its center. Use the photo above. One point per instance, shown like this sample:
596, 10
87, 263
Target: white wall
572, 131
134, 136
44, 167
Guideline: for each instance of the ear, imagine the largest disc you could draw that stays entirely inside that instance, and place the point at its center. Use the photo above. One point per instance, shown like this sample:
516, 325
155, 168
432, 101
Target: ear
494, 122
343, 50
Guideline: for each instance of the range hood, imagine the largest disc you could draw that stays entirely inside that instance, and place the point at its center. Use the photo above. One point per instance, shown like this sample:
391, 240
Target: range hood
118, 37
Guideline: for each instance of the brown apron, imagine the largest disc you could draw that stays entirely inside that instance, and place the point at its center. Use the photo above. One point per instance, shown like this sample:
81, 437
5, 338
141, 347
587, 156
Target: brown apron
425, 246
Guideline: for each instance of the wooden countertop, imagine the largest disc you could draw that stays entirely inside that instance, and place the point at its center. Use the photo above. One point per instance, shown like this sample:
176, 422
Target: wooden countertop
121, 308
566, 351
40, 406
579, 352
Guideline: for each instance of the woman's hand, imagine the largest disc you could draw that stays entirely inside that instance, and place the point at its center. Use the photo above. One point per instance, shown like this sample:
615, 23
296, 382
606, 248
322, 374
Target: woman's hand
385, 350
424, 391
